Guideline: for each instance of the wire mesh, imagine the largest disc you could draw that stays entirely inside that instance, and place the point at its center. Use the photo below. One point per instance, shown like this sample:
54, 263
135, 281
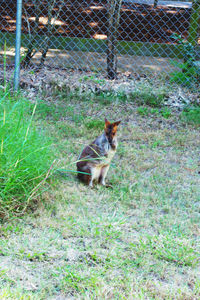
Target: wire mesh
74, 34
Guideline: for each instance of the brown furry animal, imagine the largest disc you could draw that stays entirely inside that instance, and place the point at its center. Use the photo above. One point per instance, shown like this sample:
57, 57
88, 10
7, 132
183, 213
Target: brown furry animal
94, 161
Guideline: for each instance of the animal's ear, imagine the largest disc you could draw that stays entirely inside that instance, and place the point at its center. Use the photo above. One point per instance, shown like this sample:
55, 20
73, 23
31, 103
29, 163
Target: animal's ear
107, 123
116, 123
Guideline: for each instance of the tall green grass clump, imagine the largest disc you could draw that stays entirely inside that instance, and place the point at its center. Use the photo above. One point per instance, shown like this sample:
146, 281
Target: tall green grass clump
25, 156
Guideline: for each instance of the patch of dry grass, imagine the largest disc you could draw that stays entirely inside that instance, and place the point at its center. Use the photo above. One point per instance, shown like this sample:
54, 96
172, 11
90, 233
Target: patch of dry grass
137, 241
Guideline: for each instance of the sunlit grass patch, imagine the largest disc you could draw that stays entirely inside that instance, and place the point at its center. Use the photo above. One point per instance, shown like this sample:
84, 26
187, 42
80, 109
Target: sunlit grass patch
9, 293
169, 249
136, 240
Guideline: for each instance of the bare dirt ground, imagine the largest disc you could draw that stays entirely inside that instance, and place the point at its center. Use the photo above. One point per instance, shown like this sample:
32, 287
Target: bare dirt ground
150, 66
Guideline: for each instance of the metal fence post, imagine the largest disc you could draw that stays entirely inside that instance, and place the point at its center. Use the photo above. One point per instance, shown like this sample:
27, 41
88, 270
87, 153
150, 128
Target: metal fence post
18, 44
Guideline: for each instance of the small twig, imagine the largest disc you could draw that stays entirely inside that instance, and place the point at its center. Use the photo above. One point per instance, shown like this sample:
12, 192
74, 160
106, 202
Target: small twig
190, 170
27, 21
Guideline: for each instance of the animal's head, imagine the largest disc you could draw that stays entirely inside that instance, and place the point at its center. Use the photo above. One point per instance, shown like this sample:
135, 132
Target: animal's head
111, 131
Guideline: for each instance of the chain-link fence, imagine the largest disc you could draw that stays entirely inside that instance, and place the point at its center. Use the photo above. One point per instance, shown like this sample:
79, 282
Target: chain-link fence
151, 37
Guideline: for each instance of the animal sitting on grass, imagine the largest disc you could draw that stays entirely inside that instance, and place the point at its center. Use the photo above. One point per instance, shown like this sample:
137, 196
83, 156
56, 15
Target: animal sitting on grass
94, 161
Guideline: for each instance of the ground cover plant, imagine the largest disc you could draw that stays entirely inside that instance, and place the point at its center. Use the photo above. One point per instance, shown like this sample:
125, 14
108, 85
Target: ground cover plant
25, 155
188, 73
191, 115
139, 240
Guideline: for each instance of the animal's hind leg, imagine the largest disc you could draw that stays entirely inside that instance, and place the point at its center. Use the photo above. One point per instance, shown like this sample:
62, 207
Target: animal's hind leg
84, 177
87, 179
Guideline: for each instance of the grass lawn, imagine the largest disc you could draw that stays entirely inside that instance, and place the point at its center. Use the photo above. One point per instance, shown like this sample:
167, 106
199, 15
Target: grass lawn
139, 240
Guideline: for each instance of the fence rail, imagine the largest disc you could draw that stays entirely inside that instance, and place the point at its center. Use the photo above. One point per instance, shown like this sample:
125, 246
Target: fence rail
106, 35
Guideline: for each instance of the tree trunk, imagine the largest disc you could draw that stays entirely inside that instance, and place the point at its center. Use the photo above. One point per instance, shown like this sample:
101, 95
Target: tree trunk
114, 7
49, 32
31, 44
50, 27
155, 3
44, 46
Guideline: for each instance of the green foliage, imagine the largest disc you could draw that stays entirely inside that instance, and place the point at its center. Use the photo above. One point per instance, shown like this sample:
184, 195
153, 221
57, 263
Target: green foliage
94, 124
165, 112
108, 97
148, 96
143, 111
25, 156
189, 71
191, 115
143, 94
92, 78
186, 76
188, 48
146, 111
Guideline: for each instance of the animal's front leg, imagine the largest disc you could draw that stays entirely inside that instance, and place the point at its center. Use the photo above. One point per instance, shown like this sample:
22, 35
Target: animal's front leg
93, 176
104, 172
91, 181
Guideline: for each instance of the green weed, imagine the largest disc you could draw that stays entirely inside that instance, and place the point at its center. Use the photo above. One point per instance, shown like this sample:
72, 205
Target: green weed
94, 124
146, 111
92, 78
191, 115
166, 113
189, 70
143, 111
187, 76
148, 96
